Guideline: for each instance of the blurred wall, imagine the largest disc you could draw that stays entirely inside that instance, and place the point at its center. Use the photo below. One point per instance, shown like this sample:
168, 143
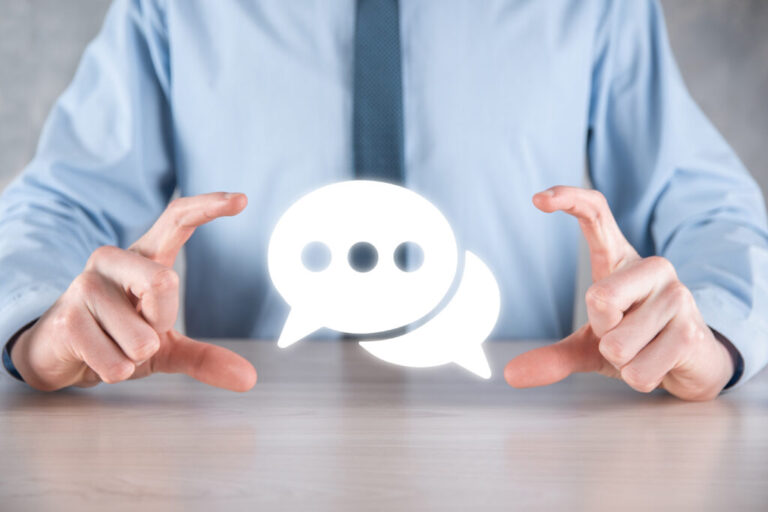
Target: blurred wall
40, 46
721, 45
722, 49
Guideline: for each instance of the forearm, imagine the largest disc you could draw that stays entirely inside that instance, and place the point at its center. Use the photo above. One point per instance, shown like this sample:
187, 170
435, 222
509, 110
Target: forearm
44, 242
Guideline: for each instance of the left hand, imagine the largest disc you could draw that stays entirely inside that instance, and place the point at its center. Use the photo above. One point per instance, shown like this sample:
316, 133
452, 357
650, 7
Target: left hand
644, 326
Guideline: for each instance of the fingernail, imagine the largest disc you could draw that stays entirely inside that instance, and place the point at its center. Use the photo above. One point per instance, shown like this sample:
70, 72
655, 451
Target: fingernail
229, 195
549, 192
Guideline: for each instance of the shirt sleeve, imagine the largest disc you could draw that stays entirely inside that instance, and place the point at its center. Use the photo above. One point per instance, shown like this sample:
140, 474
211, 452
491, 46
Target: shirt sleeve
676, 187
102, 171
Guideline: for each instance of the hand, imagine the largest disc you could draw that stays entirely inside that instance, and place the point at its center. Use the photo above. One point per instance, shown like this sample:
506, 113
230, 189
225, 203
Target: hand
644, 326
115, 321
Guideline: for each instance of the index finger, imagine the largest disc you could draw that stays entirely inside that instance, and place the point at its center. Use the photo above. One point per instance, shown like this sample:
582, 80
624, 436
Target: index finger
608, 249
173, 228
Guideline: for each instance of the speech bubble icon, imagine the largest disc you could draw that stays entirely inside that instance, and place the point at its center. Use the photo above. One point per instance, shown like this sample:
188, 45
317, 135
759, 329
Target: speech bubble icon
457, 332
339, 219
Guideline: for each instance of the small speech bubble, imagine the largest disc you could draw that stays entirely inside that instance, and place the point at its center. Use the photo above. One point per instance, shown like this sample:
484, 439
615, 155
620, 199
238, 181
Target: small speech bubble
456, 333
314, 244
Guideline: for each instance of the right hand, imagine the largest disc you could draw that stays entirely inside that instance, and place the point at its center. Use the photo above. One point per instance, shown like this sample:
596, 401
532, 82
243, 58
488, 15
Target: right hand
115, 321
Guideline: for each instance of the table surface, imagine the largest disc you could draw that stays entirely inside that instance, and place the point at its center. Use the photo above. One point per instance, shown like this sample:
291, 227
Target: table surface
328, 427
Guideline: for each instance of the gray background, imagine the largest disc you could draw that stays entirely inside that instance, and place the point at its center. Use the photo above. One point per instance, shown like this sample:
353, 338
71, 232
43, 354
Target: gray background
721, 45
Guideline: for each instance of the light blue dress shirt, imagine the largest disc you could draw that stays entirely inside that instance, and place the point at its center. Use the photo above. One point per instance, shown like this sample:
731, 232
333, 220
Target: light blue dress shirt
502, 99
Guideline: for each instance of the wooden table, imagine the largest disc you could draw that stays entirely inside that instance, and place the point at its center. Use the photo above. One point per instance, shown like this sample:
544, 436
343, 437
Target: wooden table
328, 427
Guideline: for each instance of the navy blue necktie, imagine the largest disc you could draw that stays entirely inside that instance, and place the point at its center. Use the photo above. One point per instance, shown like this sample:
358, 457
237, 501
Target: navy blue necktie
378, 92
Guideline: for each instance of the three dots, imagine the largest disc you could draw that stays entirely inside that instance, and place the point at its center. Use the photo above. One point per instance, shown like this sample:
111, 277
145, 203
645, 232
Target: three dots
363, 256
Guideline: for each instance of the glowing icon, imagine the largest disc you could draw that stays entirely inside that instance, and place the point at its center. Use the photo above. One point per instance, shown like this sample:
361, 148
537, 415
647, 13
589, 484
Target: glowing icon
336, 256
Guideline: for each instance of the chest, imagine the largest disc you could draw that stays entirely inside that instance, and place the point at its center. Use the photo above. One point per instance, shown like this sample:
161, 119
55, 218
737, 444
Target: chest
482, 81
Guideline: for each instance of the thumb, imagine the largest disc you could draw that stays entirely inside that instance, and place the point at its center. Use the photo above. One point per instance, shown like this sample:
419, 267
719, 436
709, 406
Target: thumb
210, 364
546, 365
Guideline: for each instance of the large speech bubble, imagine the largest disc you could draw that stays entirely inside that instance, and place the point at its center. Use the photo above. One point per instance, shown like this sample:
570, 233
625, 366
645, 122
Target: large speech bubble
338, 216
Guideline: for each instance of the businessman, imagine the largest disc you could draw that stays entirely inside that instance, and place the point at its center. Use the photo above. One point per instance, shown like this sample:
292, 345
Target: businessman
478, 106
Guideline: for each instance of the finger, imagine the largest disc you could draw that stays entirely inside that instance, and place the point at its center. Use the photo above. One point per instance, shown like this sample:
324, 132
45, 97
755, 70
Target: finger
552, 363
177, 223
156, 287
119, 320
207, 363
102, 355
647, 370
622, 344
610, 298
90, 378
608, 249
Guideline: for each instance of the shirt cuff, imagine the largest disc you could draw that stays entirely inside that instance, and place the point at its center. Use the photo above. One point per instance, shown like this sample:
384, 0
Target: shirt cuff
736, 359
732, 319
7, 361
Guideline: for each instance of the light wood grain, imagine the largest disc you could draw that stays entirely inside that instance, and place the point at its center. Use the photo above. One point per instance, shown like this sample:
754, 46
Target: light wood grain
330, 428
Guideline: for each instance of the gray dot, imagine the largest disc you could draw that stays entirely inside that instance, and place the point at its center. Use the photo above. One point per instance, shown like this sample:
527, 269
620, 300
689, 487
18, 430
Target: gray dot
409, 256
363, 257
316, 256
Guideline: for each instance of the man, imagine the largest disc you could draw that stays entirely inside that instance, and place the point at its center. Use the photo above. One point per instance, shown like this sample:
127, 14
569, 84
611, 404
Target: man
475, 105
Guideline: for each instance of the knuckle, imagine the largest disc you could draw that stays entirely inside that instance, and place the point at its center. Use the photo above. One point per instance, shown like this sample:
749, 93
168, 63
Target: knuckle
103, 253
690, 336
592, 216
89, 379
66, 317
601, 208
67, 320
200, 358
600, 296
117, 372
637, 380
175, 210
600, 201
175, 205
680, 294
143, 348
662, 266
86, 284
613, 350
165, 280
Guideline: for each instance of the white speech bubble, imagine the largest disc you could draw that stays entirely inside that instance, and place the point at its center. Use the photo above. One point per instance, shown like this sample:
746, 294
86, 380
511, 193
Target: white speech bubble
340, 297
457, 332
